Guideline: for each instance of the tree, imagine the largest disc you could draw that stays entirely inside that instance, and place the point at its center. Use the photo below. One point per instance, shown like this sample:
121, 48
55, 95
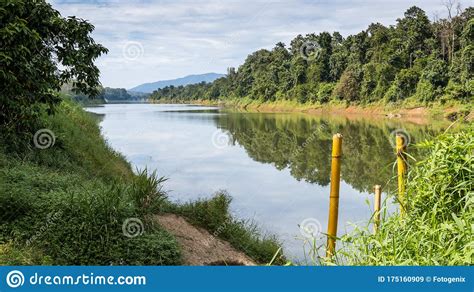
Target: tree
348, 87
403, 86
40, 51
414, 58
414, 29
323, 58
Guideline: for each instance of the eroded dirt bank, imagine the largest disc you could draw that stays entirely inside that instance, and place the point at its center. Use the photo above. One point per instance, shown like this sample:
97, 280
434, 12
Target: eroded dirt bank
199, 247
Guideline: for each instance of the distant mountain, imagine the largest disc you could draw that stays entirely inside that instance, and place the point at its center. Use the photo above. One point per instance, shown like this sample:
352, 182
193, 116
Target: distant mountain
190, 79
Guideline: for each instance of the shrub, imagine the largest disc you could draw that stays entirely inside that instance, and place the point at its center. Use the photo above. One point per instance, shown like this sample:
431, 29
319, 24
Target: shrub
324, 92
455, 91
437, 228
403, 86
425, 91
348, 86
300, 92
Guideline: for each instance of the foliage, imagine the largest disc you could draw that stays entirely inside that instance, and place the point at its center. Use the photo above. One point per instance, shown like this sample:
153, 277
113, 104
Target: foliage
404, 85
437, 229
348, 86
429, 61
214, 215
40, 51
67, 204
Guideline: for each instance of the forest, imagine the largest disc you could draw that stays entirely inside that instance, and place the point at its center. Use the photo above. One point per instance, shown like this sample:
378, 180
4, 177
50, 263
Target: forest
66, 196
416, 61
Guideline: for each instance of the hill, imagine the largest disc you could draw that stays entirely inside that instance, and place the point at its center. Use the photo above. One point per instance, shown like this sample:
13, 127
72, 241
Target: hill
190, 79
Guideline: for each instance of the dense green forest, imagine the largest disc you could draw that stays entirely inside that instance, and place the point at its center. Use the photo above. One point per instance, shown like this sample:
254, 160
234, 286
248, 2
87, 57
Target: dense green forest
66, 196
415, 61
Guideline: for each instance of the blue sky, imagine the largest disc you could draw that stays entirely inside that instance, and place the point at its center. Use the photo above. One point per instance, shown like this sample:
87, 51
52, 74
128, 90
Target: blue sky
152, 40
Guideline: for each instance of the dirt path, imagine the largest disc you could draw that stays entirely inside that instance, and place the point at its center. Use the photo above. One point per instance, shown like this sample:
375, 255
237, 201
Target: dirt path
199, 247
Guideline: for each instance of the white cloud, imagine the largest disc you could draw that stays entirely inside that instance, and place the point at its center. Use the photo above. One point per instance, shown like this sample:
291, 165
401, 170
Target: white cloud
189, 37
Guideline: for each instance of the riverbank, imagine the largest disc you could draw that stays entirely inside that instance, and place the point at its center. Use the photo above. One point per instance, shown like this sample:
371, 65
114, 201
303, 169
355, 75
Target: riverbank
416, 113
436, 229
67, 198
73, 200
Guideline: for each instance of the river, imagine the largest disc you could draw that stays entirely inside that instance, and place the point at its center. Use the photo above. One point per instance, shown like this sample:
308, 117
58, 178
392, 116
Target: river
275, 166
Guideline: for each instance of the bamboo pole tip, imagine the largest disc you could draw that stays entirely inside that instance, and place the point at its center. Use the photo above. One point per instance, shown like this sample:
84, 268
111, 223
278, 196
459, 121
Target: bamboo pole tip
377, 187
337, 136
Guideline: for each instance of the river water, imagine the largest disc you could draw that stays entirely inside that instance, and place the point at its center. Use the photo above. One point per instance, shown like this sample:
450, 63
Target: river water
275, 166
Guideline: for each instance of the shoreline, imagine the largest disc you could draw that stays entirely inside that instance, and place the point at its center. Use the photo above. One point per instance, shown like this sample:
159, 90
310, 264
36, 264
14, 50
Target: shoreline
417, 114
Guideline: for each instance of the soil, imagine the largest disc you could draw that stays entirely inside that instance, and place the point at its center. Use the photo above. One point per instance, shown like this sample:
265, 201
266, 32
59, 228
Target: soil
199, 247
417, 114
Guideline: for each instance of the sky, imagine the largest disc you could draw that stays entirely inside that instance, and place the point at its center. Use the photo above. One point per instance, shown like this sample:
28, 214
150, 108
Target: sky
151, 40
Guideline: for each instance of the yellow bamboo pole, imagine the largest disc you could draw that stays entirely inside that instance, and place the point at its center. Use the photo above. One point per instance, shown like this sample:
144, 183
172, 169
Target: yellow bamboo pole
334, 194
377, 201
402, 169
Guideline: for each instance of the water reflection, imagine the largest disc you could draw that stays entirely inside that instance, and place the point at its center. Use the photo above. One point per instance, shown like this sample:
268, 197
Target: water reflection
302, 144
276, 166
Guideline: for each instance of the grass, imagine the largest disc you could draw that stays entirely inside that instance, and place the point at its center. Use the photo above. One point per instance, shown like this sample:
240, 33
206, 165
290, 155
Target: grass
214, 215
67, 204
438, 226
75, 202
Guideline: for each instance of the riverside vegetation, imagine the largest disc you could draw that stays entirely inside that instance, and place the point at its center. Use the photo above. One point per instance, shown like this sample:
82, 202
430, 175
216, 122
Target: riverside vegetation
67, 204
415, 62
437, 227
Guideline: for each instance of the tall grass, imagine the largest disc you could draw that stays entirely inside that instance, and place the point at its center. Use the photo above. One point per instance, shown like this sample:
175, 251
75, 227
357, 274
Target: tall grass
67, 204
438, 226
214, 215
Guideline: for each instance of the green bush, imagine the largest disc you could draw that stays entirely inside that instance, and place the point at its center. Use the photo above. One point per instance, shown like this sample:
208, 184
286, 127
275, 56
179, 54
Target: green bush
300, 92
349, 85
325, 91
437, 228
454, 91
403, 86
425, 91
